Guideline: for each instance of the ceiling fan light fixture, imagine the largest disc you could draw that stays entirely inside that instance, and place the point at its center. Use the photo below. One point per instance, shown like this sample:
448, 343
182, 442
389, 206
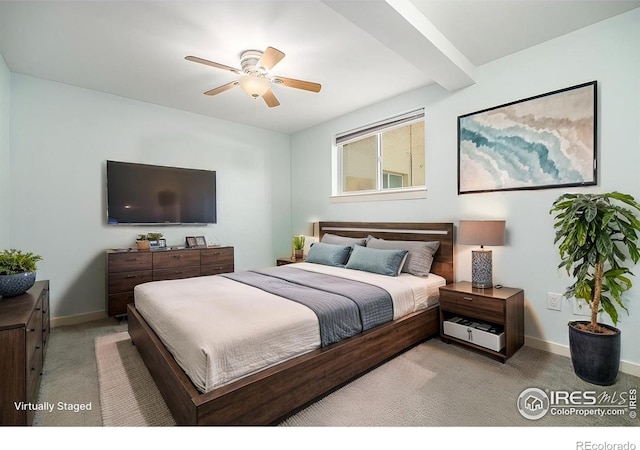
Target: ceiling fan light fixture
253, 85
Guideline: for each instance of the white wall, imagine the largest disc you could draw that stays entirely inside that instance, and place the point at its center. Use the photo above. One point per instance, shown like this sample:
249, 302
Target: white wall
606, 52
5, 91
61, 137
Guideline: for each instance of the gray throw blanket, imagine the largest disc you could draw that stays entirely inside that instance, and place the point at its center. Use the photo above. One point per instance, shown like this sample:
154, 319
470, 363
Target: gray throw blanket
344, 307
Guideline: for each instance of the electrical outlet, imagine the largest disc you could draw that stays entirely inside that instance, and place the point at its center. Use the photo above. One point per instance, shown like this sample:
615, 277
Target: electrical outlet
580, 308
554, 301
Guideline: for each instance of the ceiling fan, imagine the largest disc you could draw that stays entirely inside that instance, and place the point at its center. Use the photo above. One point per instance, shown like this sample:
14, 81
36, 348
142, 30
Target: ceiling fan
254, 78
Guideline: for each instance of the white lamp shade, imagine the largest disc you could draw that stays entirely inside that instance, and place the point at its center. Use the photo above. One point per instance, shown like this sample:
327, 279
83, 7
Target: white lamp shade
254, 86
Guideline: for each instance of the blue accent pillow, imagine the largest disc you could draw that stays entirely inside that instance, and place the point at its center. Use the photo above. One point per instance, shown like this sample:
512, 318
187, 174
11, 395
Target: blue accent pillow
384, 262
328, 254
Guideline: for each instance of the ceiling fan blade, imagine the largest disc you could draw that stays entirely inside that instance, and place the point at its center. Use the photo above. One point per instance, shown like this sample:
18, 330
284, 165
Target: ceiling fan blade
212, 64
224, 87
270, 58
270, 99
298, 84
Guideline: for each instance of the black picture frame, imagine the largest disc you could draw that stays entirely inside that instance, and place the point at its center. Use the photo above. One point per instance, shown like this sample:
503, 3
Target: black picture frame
201, 241
541, 142
190, 241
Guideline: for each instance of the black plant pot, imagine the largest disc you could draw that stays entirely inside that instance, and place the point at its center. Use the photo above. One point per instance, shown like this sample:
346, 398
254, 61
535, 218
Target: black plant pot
595, 357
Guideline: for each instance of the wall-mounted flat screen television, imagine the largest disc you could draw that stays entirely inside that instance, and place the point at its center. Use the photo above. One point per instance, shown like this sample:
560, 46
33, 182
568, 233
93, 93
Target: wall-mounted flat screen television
142, 194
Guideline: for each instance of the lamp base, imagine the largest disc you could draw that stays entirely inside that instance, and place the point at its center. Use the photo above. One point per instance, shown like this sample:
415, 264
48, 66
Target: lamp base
481, 269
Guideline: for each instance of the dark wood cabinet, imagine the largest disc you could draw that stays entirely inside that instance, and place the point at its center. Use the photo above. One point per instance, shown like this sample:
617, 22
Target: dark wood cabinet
128, 268
24, 336
501, 308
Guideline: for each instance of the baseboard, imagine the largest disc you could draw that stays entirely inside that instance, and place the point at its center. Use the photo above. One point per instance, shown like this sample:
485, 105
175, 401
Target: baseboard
76, 319
563, 350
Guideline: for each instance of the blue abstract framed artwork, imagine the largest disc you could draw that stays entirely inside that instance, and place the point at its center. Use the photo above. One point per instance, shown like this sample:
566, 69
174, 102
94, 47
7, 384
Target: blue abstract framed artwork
546, 141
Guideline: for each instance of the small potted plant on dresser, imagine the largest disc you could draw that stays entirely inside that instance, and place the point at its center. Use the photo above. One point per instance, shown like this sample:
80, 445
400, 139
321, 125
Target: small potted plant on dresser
142, 242
595, 234
17, 272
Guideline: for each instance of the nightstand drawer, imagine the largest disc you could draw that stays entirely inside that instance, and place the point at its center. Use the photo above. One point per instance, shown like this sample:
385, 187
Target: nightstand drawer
475, 333
472, 305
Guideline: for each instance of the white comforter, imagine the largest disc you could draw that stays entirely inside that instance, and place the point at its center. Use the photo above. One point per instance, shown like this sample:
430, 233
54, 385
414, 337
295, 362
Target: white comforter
219, 330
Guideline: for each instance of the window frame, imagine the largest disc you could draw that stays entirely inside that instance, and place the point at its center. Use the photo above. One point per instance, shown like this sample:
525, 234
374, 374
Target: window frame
375, 129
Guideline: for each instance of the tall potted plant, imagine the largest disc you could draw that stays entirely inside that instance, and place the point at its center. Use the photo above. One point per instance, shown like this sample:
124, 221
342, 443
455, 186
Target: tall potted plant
596, 234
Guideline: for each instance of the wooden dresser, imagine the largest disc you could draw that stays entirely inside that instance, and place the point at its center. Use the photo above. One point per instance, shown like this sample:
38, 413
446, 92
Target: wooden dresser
128, 268
24, 334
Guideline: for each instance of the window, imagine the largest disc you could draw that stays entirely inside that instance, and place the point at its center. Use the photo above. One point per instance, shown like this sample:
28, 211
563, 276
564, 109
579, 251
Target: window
382, 157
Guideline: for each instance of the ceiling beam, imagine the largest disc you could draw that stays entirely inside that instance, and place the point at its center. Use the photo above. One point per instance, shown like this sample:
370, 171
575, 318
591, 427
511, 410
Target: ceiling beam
403, 28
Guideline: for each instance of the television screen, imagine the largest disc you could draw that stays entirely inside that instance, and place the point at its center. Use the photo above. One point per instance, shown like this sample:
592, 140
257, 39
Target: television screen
146, 194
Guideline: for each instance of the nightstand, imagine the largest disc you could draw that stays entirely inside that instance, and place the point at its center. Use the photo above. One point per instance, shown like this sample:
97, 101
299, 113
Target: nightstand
288, 260
476, 318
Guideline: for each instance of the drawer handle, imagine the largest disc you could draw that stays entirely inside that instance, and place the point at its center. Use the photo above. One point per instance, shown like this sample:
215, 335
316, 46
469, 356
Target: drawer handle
177, 256
38, 309
216, 253
131, 276
177, 272
132, 260
468, 298
37, 347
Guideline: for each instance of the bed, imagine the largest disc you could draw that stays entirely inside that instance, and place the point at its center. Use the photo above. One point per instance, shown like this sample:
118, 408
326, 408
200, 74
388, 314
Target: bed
268, 394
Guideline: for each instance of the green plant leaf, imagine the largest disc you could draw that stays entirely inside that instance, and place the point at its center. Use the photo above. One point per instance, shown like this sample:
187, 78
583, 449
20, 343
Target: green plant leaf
592, 229
16, 261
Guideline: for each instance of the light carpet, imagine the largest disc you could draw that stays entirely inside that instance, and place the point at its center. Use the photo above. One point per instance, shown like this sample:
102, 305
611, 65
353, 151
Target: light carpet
433, 384
128, 394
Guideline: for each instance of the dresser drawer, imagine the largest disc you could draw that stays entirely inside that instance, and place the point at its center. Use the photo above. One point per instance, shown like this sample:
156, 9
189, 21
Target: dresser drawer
45, 321
126, 281
175, 273
217, 256
34, 371
182, 258
216, 269
472, 305
118, 303
34, 333
129, 262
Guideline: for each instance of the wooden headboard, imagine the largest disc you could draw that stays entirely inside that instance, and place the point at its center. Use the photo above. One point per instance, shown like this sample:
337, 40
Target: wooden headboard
403, 231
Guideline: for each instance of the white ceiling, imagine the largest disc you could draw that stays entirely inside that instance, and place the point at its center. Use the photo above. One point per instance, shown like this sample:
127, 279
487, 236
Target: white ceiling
361, 52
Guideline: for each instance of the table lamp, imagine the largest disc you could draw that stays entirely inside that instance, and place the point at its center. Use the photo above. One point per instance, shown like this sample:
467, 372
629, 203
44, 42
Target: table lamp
481, 232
